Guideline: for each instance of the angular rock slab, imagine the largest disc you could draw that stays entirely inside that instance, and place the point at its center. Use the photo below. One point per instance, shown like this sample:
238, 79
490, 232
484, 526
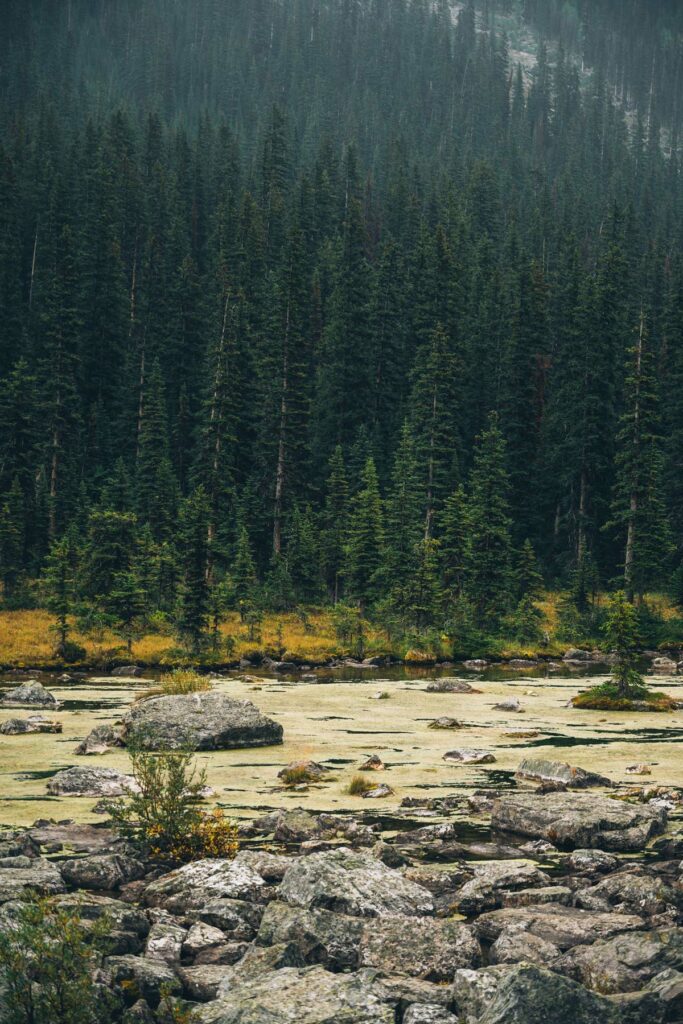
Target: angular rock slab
194, 885
106, 782
353, 883
34, 723
204, 721
424, 948
309, 995
42, 878
623, 963
321, 936
562, 926
539, 770
30, 694
572, 820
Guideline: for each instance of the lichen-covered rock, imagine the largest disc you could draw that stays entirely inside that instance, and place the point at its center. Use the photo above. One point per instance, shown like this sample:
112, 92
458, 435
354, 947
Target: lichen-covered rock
354, 883
514, 946
633, 891
490, 880
139, 978
106, 871
201, 936
444, 722
29, 694
564, 926
86, 781
201, 983
194, 885
428, 1013
165, 942
239, 919
127, 926
306, 996
209, 721
529, 994
511, 704
421, 948
304, 771
321, 936
42, 878
99, 740
623, 963
541, 770
32, 724
592, 862
572, 820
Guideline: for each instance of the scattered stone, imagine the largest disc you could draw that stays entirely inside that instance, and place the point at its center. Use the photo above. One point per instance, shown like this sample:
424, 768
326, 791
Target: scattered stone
445, 723
238, 919
210, 721
577, 654
139, 977
378, 792
127, 671
509, 705
373, 764
631, 891
448, 685
34, 723
165, 942
476, 664
664, 665
201, 982
106, 782
100, 740
353, 883
593, 862
469, 756
513, 947
623, 963
428, 1013
540, 770
638, 769
31, 694
578, 820
202, 936
303, 771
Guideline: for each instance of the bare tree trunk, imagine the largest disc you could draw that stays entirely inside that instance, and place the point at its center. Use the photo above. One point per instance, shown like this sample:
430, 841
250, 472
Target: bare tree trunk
33, 268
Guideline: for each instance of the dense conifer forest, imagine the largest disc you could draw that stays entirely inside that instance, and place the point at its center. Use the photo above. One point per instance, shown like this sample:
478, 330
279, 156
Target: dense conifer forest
371, 302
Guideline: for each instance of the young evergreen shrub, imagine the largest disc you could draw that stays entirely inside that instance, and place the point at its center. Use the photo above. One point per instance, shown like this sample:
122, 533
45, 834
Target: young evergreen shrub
48, 957
163, 819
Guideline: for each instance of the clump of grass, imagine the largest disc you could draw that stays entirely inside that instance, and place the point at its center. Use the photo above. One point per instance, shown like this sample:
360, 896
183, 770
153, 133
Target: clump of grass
384, 695
359, 785
177, 683
295, 776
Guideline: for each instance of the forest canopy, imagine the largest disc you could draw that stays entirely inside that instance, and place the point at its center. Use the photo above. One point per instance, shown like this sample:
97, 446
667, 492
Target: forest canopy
312, 300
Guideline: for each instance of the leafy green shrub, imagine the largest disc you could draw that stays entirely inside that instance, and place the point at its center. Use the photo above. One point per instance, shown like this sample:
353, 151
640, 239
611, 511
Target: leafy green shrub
163, 820
47, 960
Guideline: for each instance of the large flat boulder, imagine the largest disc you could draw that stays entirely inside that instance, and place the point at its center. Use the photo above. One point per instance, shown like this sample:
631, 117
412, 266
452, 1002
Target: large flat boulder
624, 963
420, 948
31, 694
204, 721
32, 724
528, 994
354, 883
194, 885
41, 878
293, 995
540, 770
572, 820
562, 926
492, 879
102, 782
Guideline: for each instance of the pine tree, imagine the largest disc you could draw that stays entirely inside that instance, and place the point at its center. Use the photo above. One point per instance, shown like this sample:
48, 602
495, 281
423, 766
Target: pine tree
12, 542
155, 485
243, 574
365, 552
488, 549
404, 512
452, 529
59, 582
193, 553
335, 523
109, 551
528, 573
125, 601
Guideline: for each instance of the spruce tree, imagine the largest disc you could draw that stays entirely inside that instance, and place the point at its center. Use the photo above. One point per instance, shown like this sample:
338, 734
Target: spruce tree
365, 551
335, 523
452, 529
243, 574
193, 557
12, 542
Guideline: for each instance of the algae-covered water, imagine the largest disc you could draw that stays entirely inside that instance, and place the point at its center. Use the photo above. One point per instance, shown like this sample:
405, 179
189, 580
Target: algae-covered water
338, 721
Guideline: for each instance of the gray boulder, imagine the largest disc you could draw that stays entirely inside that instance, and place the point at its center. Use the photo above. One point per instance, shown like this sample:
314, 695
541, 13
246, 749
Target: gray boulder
102, 782
428, 1013
466, 755
444, 722
564, 927
530, 994
592, 862
514, 946
201, 983
34, 723
491, 880
310, 995
448, 685
353, 883
194, 885
577, 654
42, 878
540, 770
30, 694
105, 871
632, 891
421, 948
321, 936
127, 926
571, 820
101, 739
239, 919
201, 937
140, 978
667, 988
207, 721
165, 942
511, 704
623, 963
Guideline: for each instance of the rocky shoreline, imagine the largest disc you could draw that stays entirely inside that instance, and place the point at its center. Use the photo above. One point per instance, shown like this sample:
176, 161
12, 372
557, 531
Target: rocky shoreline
326, 919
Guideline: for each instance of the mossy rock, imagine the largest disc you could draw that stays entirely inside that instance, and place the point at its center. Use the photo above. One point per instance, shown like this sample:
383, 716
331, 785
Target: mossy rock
595, 701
